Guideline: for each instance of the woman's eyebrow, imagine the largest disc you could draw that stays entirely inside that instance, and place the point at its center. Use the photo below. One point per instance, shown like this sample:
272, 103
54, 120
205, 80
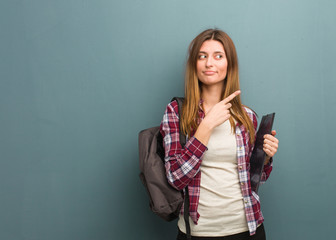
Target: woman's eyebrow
214, 52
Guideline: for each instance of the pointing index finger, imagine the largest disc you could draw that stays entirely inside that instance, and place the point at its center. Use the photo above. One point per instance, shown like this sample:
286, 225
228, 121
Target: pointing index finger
232, 96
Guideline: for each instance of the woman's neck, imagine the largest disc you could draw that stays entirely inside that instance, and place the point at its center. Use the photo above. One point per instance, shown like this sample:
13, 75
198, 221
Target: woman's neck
210, 96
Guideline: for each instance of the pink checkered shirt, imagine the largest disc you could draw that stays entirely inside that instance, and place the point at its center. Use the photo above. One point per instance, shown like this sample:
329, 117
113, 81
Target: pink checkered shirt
183, 164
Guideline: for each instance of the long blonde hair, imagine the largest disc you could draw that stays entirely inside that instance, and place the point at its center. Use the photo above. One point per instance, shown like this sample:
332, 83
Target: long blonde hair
190, 118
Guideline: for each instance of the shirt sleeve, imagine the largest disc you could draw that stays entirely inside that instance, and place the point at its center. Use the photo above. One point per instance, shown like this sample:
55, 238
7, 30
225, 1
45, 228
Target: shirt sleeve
267, 171
182, 164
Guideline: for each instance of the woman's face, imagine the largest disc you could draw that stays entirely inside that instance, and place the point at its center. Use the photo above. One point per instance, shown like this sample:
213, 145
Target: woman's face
211, 63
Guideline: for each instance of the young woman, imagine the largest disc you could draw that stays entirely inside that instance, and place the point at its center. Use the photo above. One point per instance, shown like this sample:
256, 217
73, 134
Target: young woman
214, 163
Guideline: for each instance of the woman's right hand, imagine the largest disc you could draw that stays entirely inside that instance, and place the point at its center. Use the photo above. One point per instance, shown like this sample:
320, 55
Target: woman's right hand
220, 112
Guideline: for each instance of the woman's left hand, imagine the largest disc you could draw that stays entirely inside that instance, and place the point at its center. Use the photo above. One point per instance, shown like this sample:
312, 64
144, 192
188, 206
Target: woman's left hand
270, 144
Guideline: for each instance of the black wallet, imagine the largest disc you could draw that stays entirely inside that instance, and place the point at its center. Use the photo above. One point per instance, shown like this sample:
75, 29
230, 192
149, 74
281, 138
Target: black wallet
257, 159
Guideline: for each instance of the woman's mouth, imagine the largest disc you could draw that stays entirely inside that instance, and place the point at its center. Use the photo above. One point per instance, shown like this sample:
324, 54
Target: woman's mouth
209, 73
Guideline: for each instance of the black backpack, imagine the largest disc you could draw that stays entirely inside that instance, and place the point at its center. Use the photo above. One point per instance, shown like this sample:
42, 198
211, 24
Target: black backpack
165, 201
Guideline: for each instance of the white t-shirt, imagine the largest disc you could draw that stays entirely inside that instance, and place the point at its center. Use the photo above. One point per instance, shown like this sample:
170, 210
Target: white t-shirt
221, 206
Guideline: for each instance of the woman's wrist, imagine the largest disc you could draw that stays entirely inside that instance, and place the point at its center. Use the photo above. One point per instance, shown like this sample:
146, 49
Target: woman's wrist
206, 124
203, 132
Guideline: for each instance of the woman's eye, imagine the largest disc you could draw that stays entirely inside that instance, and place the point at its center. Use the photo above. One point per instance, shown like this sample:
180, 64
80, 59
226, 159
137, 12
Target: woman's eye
201, 57
219, 56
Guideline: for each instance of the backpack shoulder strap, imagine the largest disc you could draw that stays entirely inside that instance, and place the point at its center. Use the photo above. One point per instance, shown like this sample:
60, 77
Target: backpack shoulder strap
179, 101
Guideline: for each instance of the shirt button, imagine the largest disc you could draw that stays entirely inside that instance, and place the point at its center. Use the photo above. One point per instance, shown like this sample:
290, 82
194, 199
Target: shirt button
242, 184
245, 200
240, 167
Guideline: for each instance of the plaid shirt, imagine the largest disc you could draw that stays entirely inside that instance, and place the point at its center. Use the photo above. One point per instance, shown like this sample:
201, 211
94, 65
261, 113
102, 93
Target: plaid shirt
183, 164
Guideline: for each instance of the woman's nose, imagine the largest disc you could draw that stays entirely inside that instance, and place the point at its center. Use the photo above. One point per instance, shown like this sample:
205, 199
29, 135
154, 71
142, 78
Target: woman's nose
208, 62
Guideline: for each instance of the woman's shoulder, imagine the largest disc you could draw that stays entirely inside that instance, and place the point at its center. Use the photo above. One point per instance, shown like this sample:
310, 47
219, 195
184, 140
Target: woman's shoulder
252, 114
170, 116
249, 110
172, 107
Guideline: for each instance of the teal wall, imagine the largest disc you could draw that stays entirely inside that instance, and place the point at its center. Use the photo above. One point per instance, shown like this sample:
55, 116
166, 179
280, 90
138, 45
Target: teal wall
79, 79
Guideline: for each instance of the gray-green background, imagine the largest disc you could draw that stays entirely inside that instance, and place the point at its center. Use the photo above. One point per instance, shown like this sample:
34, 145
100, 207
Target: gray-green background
79, 79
